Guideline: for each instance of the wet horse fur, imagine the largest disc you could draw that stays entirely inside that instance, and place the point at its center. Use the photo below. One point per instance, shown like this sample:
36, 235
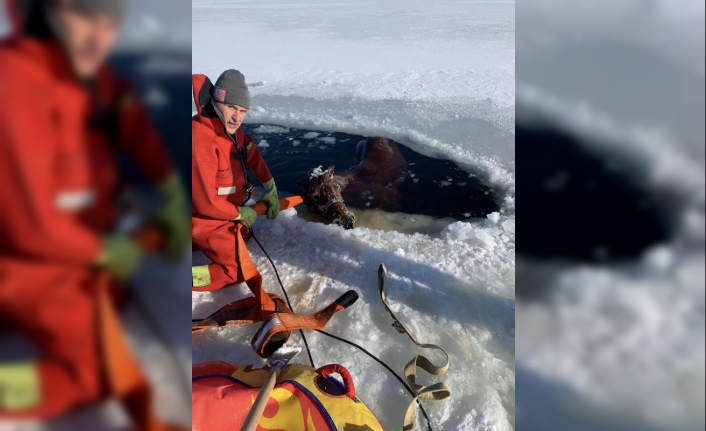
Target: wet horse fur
372, 183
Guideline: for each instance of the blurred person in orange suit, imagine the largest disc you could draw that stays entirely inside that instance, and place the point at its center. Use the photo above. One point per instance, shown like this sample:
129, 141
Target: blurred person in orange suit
64, 118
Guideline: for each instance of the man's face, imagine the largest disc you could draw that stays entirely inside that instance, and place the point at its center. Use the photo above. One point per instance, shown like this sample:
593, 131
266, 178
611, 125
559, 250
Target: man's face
88, 39
233, 115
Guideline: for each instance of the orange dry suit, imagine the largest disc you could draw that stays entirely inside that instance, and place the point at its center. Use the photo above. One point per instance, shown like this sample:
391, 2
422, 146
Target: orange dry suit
58, 180
219, 185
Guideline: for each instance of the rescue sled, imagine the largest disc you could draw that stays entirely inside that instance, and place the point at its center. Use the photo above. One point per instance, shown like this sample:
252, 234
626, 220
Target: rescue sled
303, 398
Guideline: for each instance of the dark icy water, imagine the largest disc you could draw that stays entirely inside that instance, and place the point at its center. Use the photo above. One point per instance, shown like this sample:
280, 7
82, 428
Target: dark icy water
432, 187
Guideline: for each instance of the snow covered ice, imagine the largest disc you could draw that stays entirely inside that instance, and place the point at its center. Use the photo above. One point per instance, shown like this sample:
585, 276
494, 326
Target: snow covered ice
437, 77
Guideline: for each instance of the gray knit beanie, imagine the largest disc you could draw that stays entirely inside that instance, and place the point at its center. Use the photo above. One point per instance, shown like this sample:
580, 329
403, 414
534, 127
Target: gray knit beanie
230, 88
114, 8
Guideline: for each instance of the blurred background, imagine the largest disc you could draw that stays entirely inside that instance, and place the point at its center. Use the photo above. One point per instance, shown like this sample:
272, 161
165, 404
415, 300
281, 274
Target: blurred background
154, 55
610, 203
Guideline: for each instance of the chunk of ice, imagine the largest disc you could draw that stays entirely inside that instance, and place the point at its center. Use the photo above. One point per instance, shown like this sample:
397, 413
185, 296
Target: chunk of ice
316, 172
494, 217
267, 128
508, 226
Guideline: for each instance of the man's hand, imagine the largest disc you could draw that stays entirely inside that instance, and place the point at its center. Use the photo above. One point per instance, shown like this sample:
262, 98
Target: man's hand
120, 256
172, 216
247, 216
271, 199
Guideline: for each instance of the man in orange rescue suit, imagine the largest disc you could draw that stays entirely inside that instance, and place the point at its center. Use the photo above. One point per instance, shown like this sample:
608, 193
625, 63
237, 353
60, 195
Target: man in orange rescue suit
221, 154
63, 118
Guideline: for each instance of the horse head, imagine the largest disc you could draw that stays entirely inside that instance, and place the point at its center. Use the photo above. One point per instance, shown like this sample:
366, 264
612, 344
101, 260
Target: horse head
323, 192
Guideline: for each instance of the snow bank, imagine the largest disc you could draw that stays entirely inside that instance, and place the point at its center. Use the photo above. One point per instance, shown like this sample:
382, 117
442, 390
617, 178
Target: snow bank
487, 233
625, 339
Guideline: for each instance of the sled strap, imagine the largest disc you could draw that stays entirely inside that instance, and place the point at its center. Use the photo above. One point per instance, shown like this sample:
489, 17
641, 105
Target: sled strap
252, 276
241, 312
277, 327
437, 391
124, 378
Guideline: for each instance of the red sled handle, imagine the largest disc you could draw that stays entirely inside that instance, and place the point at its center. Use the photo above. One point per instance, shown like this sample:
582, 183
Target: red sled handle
151, 238
349, 387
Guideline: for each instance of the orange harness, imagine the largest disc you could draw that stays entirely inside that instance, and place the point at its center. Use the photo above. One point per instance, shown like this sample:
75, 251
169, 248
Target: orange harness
278, 319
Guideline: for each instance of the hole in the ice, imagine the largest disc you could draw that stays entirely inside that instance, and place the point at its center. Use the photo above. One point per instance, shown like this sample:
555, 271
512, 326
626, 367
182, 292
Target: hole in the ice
428, 189
580, 204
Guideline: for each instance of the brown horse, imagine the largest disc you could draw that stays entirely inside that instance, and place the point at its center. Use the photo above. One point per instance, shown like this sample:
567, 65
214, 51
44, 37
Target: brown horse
372, 183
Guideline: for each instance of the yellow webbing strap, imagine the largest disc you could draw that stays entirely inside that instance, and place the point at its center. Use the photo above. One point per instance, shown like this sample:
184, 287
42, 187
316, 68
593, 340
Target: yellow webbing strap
437, 391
